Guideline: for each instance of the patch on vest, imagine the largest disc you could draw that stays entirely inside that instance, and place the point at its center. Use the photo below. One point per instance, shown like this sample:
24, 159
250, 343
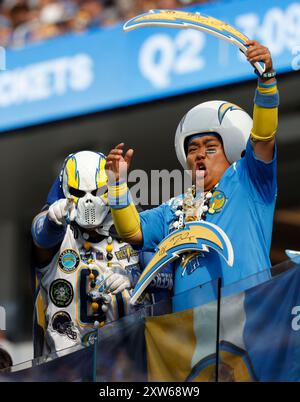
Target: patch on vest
61, 293
125, 252
62, 323
68, 261
217, 202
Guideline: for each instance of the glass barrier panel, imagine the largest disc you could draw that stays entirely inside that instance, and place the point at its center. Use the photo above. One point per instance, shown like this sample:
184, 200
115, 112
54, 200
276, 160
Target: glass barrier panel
67, 365
159, 344
251, 333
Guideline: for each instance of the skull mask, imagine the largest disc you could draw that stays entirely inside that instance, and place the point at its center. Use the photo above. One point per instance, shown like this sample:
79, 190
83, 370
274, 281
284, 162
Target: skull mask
84, 179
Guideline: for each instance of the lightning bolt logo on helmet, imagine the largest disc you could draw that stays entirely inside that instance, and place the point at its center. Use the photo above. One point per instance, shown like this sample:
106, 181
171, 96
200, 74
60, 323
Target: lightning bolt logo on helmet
224, 108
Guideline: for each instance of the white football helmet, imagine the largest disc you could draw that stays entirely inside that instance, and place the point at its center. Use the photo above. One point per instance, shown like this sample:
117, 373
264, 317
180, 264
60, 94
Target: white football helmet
231, 122
84, 180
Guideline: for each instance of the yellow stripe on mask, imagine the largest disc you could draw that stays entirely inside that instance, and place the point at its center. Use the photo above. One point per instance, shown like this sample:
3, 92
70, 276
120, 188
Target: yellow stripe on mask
72, 173
101, 178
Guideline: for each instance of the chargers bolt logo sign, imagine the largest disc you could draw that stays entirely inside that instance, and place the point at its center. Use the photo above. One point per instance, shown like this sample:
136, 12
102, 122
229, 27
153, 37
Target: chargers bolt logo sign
204, 23
195, 236
68, 261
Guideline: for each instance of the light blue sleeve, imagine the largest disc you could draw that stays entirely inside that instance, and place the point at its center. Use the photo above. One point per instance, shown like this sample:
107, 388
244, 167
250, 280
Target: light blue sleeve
155, 225
261, 176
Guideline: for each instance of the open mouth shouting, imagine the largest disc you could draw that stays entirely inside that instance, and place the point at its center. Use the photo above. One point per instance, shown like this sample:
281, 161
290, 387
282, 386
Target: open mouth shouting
201, 170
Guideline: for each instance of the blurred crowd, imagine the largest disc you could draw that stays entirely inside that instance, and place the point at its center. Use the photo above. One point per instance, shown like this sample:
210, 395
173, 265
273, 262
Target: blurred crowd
25, 21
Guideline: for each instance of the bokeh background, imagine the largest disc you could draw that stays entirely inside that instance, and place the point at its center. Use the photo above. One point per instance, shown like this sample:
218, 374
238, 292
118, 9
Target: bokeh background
72, 80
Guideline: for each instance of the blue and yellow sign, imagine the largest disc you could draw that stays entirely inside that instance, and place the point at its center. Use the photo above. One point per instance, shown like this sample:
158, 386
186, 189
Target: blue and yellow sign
175, 18
195, 236
183, 19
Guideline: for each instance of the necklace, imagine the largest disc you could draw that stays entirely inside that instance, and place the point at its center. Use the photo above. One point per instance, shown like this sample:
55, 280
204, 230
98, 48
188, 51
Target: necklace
192, 208
96, 295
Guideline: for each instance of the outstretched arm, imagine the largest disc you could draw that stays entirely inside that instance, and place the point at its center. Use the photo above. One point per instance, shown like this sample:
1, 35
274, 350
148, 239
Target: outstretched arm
265, 113
49, 227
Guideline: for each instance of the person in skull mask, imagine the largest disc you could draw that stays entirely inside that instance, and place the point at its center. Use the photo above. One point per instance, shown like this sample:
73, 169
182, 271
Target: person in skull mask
84, 272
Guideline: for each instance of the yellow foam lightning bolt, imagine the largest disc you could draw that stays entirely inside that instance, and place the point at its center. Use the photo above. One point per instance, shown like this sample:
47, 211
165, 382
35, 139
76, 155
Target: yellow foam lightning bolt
196, 236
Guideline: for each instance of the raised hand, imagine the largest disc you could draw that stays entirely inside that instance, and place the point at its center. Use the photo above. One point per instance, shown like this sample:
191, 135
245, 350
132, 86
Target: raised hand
117, 164
257, 52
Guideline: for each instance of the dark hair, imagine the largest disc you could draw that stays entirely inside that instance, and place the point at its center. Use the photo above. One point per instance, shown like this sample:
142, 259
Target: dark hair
5, 359
187, 140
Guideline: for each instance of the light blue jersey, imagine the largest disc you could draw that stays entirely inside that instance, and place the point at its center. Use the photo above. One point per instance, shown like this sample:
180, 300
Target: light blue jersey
242, 205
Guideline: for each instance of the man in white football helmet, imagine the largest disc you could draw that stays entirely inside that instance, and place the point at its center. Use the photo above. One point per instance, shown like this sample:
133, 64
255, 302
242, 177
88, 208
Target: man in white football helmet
233, 160
84, 270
